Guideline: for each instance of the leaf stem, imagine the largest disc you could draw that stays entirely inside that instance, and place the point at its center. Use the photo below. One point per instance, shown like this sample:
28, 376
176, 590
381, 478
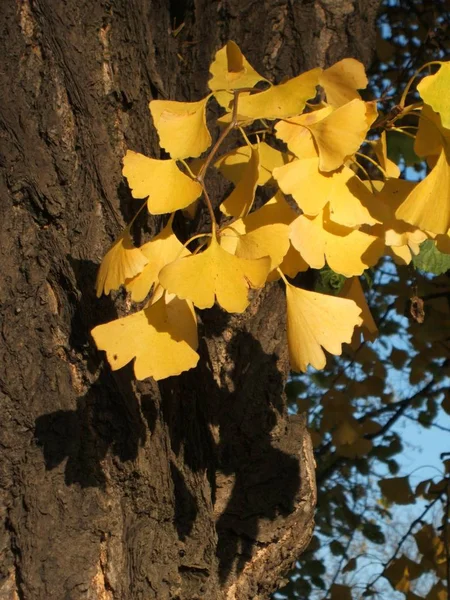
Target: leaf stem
411, 81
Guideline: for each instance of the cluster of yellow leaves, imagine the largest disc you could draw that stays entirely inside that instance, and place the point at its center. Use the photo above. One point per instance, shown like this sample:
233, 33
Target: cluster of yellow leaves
334, 218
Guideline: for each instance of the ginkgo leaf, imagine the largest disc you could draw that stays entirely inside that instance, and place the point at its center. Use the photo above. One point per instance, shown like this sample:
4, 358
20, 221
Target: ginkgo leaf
431, 135
293, 263
400, 569
160, 251
341, 80
295, 133
388, 166
401, 237
270, 240
347, 251
428, 205
339, 135
168, 189
346, 433
181, 127
121, 262
240, 201
351, 203
152, 337
340, 592
232, 164
434, 91
215, 274
281, 101
316, 321
352, 289
230, 70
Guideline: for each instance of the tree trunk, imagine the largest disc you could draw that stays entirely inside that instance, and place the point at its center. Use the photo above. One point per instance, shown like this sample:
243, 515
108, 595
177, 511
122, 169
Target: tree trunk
203, 486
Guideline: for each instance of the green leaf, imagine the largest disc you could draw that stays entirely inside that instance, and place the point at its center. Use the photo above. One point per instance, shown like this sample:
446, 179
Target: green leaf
431, 260
401, 146
329, 282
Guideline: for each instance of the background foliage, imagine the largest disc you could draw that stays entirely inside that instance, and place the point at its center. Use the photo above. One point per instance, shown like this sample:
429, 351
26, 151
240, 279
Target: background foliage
379, 527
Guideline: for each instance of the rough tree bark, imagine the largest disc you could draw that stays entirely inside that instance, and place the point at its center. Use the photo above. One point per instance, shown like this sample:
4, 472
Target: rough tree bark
203, 486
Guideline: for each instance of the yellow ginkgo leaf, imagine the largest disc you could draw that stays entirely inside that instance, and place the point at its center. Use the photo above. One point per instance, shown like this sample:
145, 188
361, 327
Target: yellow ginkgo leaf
430, 135
240, 201
281, 101
341, 80
121, 262
352, 289
351, 202
230, 70
160, 251
160, 339
388, 166
434, 91
270, 240
232, 164
402, 238
428, 205
295, 133
215, 274
339, 135
293, 263
168, 189
347, 251
181, 127
316, 321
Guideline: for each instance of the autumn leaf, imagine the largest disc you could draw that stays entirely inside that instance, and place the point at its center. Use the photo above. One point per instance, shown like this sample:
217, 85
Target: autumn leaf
168, 189
159, 338
347, 251
181, 127
212, 274
431, 135
230, 70
434, 91
160, 251
281, 101
350, 202
316, 321
428, 205
341, 80
339, 135
240, 201
122, 261
352, 289
232, 165
295, 133
380, 149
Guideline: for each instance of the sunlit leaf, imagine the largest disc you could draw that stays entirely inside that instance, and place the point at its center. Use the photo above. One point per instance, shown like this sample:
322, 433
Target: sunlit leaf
353, 290
181, 127
230, 70
347, 251
317, 321
430, 135
232, 165
159, 340
121, 262
295, 133
428, 205
380, 147
215, 274
341, 81
431, 260
168, 189
240, 201
160, 251
283, 100
340, 134
434, 91
350, 202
